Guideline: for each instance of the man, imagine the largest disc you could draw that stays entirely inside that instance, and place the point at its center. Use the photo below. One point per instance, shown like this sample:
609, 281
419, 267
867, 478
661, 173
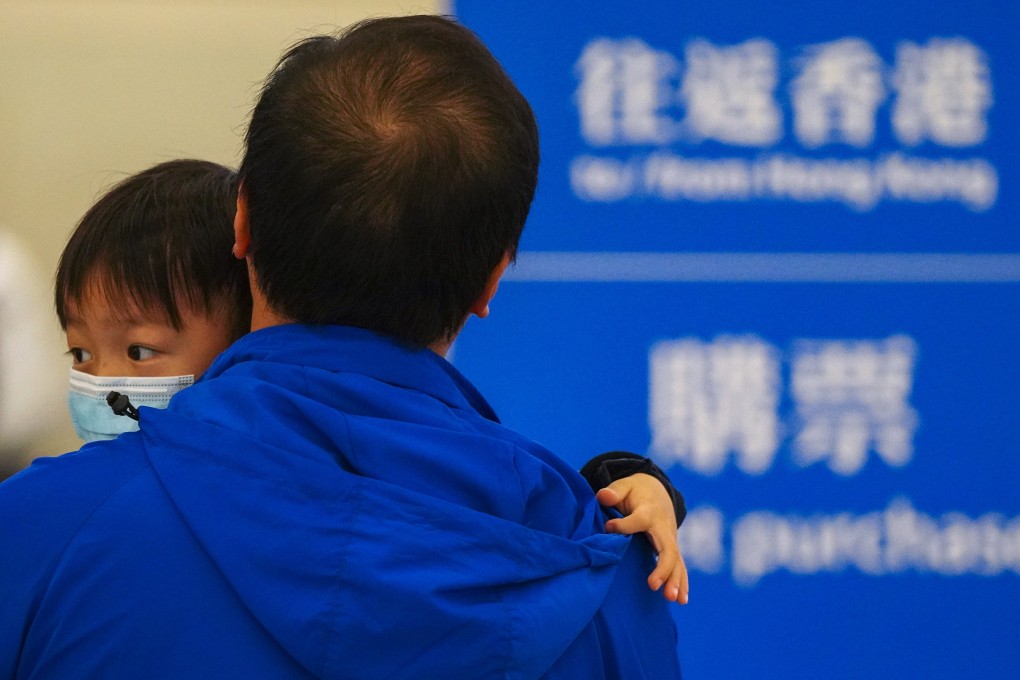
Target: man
333, 499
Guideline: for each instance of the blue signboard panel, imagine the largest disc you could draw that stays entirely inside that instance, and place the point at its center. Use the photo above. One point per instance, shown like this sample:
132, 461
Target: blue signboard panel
775, 247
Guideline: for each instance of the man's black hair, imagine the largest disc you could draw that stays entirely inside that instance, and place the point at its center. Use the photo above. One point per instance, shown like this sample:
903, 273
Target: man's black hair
160, 239
387, 171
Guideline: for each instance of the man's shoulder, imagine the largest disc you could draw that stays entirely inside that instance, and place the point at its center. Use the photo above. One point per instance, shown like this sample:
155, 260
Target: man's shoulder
42, 512
56, 495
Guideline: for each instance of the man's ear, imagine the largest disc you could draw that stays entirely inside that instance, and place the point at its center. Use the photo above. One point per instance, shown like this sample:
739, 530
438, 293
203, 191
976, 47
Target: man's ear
242, 235
481, 306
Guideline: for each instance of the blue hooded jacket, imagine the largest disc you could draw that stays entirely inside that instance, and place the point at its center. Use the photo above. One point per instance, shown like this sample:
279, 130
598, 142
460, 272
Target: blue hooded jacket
324, 503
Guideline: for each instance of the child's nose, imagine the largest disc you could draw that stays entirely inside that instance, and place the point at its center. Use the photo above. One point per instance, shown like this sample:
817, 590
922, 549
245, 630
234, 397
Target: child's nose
111, 367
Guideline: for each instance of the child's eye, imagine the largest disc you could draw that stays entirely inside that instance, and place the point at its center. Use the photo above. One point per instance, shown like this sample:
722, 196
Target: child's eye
79, 355
139, 353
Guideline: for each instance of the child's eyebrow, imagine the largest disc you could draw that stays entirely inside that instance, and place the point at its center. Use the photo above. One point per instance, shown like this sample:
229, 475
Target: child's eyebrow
131, 317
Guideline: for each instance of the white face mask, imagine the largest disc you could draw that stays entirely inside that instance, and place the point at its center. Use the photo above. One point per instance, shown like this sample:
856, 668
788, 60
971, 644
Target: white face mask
91, 414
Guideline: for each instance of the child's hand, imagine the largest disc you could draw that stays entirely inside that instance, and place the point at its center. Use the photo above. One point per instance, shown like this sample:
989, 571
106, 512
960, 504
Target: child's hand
647, 507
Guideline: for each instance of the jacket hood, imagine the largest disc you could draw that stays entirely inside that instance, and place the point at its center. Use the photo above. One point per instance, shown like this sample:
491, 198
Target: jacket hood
362, 500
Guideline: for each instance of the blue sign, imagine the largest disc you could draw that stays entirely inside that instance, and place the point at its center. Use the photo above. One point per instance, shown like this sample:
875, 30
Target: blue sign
775, 247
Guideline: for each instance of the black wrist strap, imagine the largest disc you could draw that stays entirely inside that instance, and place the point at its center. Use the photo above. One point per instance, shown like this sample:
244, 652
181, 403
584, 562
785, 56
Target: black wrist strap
603, 470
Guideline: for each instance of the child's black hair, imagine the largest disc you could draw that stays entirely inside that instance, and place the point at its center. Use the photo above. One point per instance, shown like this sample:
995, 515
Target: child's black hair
160, 239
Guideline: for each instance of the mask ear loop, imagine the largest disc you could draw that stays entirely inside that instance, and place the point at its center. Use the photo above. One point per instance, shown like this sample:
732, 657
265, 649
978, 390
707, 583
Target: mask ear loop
121, 405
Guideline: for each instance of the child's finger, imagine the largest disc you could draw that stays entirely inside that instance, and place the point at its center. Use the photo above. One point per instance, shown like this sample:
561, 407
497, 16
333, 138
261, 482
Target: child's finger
682, 584
631, 524
677, 588
610, 497
665, 569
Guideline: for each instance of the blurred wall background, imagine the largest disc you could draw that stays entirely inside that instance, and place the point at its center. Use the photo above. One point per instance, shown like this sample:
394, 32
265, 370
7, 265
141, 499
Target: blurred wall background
93, 91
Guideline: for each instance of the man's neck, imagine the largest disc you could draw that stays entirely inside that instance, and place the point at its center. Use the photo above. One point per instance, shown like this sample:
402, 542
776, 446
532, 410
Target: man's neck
262, 315
441, 347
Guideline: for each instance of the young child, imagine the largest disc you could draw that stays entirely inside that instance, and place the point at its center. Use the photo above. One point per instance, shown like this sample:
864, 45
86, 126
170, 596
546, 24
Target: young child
149, 293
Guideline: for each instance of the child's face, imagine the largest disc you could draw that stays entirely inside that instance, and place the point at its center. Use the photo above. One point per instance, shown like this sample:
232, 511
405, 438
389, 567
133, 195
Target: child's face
119, 339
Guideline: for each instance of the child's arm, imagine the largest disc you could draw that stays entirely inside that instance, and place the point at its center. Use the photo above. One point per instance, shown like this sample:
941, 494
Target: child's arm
642, 492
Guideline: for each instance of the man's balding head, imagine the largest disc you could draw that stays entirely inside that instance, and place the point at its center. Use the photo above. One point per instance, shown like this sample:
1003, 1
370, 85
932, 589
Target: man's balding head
387, 172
